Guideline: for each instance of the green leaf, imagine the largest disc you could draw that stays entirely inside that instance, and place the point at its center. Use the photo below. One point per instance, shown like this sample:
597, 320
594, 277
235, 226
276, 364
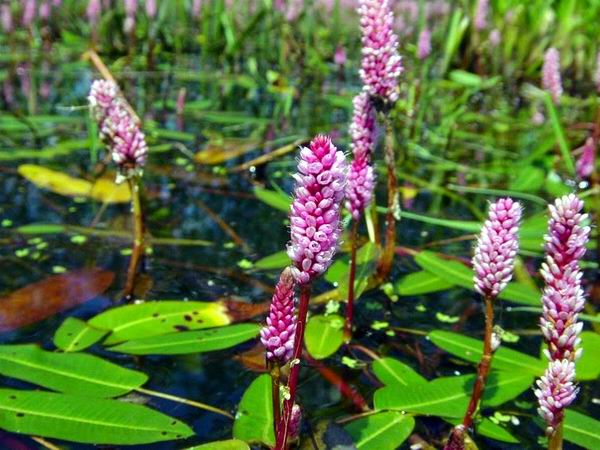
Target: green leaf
75, 373
254, 419
492, 430
277, 260
381, 431
41, 228
274, 199
419, 283
84, 419
528, 179
581, 430
471, 349
75, 335
587, 366
231, 444
159, 317
366, 258
392, 372
190, 341
324, 335
449, 396
457, 273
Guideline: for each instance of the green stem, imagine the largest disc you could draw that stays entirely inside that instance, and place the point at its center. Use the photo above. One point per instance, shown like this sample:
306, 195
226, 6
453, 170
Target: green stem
351, 278
555, 441
138, 236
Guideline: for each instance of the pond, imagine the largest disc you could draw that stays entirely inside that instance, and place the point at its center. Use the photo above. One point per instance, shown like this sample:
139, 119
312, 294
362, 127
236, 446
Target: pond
133, 294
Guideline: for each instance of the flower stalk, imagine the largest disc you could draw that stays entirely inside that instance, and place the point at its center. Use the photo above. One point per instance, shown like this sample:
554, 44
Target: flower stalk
137, 249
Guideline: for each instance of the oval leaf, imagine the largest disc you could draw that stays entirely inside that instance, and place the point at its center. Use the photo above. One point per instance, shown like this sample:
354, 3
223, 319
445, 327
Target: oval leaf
86, 420
392, 372
190, 341
159, 317
581, 429
75, 335
76, 373
324, 335
420, 283
449, 396
471, 349
254, 419
382, 431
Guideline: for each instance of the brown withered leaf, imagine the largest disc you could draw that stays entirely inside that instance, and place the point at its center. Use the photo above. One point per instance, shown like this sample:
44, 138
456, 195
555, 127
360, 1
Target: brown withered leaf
44, 298
240, 311
253, 359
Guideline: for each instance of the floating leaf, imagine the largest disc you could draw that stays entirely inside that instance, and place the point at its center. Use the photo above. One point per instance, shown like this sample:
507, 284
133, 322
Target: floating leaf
274, 199
75, 373
581, 430
220, 150
381, 431
419, 283
231, 444
392, 372
449, 396
75, 335
85, 419
51, 295
324, 335
254, 419
471, 349
159, 317
190, 341
275, 261
456, 273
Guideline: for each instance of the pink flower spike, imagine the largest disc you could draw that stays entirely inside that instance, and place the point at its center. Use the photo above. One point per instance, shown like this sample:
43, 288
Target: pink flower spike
556, 390
563, 299
587, 160
497, 247
93, 11
551, 80
481, 14
424, 44
151, 8
361, 177
381, 62
315, 211
597, 73
118, 128
6, 18
278, 334
295, 422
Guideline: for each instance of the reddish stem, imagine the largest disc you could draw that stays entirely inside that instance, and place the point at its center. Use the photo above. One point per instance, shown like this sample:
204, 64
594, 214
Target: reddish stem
385, 264
351, 278
283, 428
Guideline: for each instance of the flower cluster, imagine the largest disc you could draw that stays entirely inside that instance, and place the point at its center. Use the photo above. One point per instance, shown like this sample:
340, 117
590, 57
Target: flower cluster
315, 211
278, 335
551, 80
562, 301
361, 178
381, 62
295, 422
587, 160
118, 128
497, 247
481, 13
556, 390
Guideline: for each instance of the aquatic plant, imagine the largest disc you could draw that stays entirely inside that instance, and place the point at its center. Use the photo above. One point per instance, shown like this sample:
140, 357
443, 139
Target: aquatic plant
424, 43
551, 80
481, 14
315, 231
586, 162
493, 263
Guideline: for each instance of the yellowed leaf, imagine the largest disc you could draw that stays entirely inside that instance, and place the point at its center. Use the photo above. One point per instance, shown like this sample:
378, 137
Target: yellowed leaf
57, 182
105, 190
223, 149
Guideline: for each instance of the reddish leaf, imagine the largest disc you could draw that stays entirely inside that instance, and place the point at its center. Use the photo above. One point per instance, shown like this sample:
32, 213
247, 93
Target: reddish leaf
242, 311
42, 299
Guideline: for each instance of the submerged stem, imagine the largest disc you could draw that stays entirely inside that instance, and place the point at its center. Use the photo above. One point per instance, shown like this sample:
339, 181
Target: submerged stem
351, 278
185, 401
283, 428
138, 236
